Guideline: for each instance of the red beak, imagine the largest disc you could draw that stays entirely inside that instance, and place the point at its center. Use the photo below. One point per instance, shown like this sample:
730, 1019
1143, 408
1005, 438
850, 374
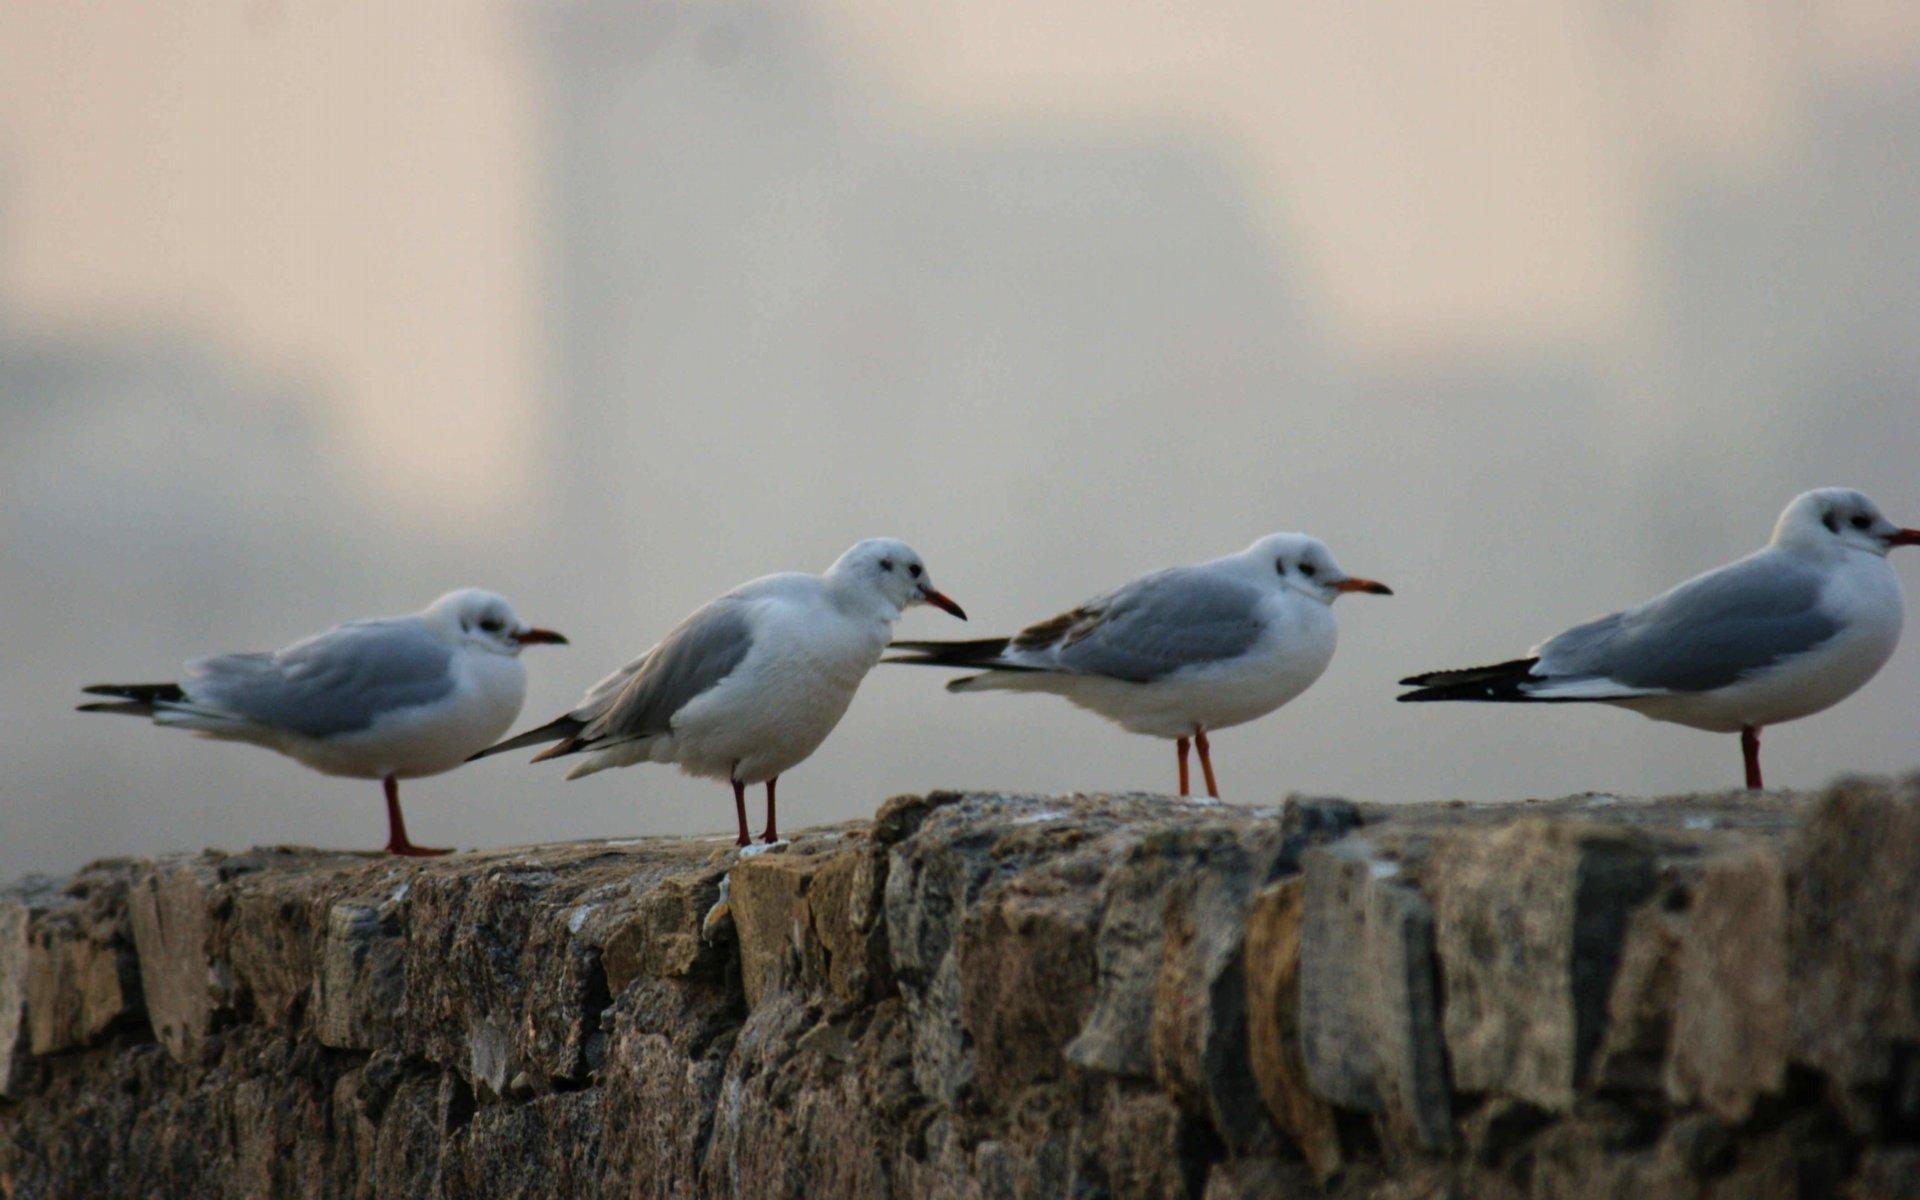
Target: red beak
940, 601
1905, 537
530, 637
1353, 583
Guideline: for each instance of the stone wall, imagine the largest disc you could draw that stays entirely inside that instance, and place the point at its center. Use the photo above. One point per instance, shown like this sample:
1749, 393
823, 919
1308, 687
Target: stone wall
994, 996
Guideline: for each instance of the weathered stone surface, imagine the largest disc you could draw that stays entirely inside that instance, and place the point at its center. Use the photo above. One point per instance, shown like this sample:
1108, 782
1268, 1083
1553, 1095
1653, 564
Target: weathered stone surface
1273, 1026
173, 932
81, 974
362, 975
662, 937
20, 907
1024, 963
1528, 924
1199, 1030
1853, 932
1731, 1011
991, 996
1370, 1015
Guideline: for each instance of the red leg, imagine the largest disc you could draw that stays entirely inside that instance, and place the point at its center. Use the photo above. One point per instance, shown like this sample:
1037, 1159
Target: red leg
1206, 761
1750, 750
740, 813
1181, 746
772, 834
397, 842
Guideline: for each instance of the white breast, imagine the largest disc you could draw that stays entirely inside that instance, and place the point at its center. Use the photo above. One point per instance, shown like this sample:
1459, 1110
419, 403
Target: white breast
489, 690
1863, 597
779, 705
1294, 651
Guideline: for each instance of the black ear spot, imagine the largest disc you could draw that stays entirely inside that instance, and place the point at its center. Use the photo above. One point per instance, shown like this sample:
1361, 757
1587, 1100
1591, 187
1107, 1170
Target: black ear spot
1831, 520
886, 564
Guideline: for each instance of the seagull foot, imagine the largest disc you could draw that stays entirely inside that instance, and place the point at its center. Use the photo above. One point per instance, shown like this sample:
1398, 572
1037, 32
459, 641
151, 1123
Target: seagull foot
409, 850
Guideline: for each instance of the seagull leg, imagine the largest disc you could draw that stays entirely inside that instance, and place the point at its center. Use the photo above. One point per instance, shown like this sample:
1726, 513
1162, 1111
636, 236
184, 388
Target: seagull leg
772, 834
740, 812
1750, 750
1181, 745
397, 842
1206, 760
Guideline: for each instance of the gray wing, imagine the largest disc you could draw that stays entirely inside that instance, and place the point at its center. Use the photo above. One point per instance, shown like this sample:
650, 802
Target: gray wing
336, 682
641, 699
1156, 625
1704, 634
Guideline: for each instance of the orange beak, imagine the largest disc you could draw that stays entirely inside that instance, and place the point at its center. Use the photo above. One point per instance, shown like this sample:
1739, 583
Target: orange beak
1906, 537
1353, 583
530, 637
941, 601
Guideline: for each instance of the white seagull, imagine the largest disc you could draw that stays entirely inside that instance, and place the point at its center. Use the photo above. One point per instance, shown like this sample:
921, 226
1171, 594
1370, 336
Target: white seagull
389, 699
1787, 631
749, 685
1178, 653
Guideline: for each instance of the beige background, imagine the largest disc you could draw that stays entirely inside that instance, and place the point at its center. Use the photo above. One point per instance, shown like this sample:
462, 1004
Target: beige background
313, 310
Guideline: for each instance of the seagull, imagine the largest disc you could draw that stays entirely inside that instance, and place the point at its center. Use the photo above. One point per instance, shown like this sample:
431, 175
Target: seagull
1794, 628
749, 685
391, 698
1178, 653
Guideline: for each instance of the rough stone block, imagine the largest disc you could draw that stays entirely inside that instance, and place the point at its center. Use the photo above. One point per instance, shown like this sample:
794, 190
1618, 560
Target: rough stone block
662, 937
1853, 932
1273, 1026
1731, 1015
1528, 924
173, 932
1199, 1028
20, 904
362, 975
1370, 1018
1025, 970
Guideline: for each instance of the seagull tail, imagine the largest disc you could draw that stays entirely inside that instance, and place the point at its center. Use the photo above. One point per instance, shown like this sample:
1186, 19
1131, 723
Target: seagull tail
983, 654
559, 730
133, 699
1501, 682
979, 652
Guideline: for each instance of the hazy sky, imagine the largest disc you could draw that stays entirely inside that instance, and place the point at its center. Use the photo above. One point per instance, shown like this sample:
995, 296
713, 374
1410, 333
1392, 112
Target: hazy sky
314, 310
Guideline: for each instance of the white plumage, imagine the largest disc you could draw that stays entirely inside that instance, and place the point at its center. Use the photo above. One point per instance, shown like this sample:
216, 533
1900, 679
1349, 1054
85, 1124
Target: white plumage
1790, 630
1179, 653
390, 698
752, 683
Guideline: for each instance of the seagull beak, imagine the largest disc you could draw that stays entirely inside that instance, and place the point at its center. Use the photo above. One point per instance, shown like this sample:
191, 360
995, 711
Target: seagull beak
530, 637
1905, 537
1353, 583
940, 601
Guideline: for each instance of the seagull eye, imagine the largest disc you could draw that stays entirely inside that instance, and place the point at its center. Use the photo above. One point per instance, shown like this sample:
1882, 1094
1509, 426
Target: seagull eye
886, 564
493, 625
1861, 522
1306, 568
914, 570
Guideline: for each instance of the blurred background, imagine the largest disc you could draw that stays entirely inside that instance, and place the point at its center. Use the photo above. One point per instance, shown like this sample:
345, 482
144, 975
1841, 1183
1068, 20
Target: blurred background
313, 310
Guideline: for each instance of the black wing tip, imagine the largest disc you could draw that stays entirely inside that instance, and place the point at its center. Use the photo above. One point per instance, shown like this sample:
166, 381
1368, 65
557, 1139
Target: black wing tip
1495, 682
977, 652
561, 729
145, 692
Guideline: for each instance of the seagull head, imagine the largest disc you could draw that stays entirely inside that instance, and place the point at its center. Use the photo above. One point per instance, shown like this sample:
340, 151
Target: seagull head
1296, 562
891, 571
1831, 520
485, 621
